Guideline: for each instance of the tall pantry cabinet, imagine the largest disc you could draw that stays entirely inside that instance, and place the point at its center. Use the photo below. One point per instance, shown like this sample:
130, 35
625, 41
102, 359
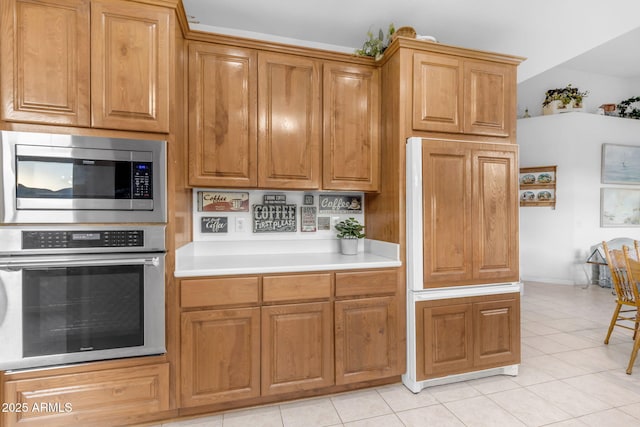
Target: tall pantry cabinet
461, 103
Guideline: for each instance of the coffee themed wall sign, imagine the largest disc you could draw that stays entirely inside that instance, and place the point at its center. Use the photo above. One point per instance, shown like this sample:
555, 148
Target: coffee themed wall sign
214, 224
219, 201
308, 218
340, 204
275, 215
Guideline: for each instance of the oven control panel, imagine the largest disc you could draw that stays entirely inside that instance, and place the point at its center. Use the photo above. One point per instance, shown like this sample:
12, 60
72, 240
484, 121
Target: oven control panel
58, 239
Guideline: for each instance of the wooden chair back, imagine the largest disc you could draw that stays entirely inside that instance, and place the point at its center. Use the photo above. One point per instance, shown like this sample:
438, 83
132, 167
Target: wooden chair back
619, 277
632, 273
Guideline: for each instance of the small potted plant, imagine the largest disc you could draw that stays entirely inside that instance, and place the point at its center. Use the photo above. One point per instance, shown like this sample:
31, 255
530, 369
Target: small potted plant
375, 46
629, 108
563, 100
349, 231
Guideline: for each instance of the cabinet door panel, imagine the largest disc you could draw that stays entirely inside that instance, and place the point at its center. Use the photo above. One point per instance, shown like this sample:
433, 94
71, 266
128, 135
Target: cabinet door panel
131, 51
45, 53
289, 133
437, 93
297, 347
444, 339
220, 356
489, 98
446, 169
497, 332
96, 398
222, 116
495, 219
366, 341
351, 114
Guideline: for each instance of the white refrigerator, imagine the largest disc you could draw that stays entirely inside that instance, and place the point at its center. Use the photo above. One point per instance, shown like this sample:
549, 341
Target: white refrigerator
417, 293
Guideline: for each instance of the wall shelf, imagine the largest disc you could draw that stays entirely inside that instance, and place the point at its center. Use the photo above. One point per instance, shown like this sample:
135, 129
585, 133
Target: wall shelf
538, 186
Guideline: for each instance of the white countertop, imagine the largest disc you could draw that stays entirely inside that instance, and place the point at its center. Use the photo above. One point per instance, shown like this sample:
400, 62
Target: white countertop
258, 257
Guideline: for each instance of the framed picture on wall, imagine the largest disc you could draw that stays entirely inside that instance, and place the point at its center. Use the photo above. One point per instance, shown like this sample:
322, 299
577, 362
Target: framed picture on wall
619, 207
620, 164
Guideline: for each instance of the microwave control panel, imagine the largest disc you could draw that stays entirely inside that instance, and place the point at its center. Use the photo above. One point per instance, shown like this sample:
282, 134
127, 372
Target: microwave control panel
142, 180
57, 239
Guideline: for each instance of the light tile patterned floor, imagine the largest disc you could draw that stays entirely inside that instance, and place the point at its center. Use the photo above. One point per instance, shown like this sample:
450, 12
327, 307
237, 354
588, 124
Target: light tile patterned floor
568, 377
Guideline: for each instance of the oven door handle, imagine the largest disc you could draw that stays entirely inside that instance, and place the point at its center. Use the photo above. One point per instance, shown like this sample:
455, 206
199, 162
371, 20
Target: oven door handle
40, 262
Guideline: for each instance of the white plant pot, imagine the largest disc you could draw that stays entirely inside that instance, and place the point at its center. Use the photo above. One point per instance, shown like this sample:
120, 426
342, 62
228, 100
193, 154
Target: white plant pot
556, 107
349, 246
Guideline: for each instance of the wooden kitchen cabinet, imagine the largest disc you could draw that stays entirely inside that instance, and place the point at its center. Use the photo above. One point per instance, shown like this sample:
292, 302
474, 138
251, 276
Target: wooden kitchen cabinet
289, 121
496, 331
458, 95
254, 118
257, 336
97, 398
459, 335
351, 144
220, 355
45, 67
470, 214
297, 347
366, 325
444, 339
131, 57
103, 64
220, 346
222, 116
366, 339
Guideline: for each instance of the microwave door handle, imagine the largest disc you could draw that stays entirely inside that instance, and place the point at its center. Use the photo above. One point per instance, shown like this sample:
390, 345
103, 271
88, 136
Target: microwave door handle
71, 262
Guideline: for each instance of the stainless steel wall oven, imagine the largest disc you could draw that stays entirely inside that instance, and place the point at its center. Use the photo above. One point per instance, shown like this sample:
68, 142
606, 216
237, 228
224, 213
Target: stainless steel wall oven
80, 293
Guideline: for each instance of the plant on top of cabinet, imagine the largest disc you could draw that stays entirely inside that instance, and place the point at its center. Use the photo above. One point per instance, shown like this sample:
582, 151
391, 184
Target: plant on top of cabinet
375, 46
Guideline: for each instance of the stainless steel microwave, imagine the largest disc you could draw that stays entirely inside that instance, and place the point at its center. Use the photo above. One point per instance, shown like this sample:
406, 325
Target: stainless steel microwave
50, 178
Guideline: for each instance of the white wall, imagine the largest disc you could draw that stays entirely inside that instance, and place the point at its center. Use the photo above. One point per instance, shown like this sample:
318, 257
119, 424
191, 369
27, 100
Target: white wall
554, 243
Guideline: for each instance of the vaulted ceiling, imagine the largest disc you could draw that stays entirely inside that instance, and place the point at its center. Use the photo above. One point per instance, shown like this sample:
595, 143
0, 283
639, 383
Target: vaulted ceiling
547, 32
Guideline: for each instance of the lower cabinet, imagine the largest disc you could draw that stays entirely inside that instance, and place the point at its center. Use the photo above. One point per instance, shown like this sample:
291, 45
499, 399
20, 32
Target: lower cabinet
258, 336
297, 347
220, 356
98, 398
366, 339
463, 334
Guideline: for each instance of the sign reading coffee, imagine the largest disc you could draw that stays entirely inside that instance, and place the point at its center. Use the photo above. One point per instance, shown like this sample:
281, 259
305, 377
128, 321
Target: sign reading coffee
214, 224
221, 201
340, 204
274, 218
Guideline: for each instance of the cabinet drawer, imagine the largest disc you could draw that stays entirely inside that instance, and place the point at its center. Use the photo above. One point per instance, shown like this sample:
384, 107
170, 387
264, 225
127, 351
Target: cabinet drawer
374, 282
101, 398
224, 291
296, 287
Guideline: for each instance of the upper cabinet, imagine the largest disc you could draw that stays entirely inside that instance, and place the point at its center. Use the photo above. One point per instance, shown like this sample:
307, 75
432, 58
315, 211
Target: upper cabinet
130, 60
103, 64
454, 94
222, 116
289, 121
45, 71
283, 121
351, 149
